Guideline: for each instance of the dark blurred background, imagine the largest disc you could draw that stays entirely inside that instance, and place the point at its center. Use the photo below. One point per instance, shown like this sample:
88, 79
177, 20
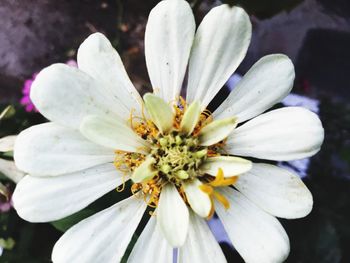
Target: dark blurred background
315, 34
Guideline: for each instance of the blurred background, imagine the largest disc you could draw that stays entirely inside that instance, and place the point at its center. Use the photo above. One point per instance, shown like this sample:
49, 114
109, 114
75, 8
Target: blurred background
315, 34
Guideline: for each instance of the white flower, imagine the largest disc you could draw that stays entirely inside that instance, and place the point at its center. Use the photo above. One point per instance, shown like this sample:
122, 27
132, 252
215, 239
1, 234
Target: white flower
179, 158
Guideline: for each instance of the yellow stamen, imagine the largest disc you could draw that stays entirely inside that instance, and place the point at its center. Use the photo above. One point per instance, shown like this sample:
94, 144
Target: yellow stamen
229, 181
206, 189
121, 187
219, 181
131, 118
128, 161
218, 178
222, 199
212, 209
183, 194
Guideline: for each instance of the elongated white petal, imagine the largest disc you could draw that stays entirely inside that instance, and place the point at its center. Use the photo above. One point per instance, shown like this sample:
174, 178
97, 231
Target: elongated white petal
160, 112
230, 165
217, 131
102, 237
9, 169
45, 199
172, 216
283, 134
191, 118
220, 45
200, 245
257, 236
49, 149
113, 134
265, 84
144, 172
199, 201
276, 190
98, 58
151, 246
7, 143
168, 40
65, 95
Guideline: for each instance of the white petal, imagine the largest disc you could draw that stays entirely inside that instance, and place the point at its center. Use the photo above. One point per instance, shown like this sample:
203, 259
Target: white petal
7, 143
220, 45
102, 237
257, 236
231, 166
168, 40
199, 201
112, 133
172, 216
265, 84
283, 134
217, 131
191, 118
9, 169
65, 95
45, 199
200, 245
276, 190
49, 149
98, 58
151, 246
144, 172
160, 112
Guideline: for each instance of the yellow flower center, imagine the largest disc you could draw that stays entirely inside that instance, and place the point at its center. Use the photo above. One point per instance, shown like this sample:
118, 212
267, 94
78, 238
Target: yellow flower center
176, 158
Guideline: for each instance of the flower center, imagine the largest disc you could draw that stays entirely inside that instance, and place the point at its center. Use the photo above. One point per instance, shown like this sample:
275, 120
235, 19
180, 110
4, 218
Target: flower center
178, 157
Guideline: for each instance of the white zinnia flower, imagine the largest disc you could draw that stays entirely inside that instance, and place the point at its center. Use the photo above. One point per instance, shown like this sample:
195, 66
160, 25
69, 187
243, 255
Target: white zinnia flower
181, 165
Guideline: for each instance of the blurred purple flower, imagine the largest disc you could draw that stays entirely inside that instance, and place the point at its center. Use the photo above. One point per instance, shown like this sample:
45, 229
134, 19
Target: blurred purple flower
25, 100
5, 199
5, 206
72, 63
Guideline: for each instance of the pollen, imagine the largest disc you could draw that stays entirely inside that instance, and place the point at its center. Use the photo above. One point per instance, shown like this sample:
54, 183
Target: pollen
128, 161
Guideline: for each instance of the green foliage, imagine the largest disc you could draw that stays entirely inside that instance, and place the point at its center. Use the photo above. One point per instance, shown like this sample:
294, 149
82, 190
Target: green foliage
102, 203
129, 248
67, 222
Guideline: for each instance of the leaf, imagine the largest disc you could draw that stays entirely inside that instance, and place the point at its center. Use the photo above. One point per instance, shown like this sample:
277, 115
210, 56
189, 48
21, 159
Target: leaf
67, 222
100, 204
129, 248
